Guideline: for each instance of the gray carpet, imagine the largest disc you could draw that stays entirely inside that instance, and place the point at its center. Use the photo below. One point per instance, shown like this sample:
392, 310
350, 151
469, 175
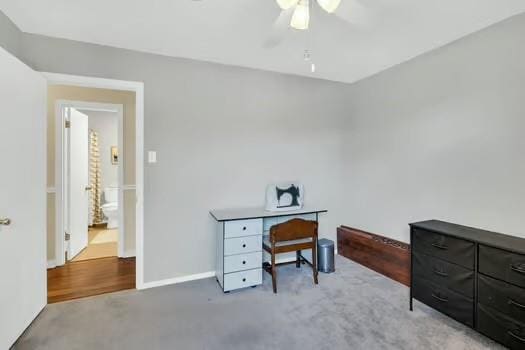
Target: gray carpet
354, 308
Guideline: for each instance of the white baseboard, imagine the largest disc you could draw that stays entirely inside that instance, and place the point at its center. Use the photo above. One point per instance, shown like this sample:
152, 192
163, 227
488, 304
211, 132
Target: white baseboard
176, 280
128, 254
194, 277
51, 264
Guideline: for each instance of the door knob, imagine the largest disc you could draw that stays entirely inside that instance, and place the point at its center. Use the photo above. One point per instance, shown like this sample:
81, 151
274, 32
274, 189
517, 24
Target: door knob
5, 222
88, 188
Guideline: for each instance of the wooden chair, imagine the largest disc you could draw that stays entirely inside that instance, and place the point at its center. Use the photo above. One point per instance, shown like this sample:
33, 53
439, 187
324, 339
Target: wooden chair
291, 236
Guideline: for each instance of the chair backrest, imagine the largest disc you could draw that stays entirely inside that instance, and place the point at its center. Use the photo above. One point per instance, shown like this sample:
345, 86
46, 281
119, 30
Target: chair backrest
293, 229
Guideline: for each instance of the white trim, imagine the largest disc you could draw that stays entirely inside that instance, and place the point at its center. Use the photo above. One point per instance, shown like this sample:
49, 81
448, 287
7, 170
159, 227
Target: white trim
176, 280
138, 88
129, 187
51, 190
128, 253
51, 264
198, 276
91, 82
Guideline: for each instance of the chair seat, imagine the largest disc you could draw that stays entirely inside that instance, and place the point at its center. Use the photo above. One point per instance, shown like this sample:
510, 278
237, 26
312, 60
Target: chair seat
266, 242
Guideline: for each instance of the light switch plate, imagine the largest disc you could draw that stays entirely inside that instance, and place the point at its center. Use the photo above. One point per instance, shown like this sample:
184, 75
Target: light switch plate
152, 157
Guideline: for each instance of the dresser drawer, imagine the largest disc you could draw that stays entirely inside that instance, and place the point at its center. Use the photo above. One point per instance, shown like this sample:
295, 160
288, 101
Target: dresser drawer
501, 328
241, 228
445, 247
242, 262
442, 299
451, 276
242, 279
242, 245
503, 297
503, 265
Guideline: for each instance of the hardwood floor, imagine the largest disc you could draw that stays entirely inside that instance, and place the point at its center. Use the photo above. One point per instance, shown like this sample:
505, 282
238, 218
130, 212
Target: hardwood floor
90, 277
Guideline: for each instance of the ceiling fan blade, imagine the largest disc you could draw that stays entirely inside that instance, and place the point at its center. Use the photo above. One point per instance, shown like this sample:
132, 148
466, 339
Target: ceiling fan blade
279, 29
286, 4
329, 6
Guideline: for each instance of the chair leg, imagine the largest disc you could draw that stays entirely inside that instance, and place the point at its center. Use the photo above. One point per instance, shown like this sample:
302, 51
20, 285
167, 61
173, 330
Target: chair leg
314, 261
298, 259
274, 274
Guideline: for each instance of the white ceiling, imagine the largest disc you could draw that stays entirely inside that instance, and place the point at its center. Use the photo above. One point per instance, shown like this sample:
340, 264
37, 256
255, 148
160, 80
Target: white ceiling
363, 38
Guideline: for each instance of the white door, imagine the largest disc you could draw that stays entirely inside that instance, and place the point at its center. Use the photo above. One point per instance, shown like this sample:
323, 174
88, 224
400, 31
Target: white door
23, 288
78, 182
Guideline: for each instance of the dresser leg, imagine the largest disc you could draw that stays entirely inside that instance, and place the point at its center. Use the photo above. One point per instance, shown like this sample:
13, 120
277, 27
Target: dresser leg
411, 305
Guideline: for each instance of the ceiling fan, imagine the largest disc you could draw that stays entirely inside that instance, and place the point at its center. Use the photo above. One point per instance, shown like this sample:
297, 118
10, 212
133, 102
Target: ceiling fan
301, 13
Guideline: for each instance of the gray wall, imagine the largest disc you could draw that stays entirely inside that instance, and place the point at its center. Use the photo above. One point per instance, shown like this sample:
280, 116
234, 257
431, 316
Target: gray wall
436, 137
441, 137
10, 35
222, 134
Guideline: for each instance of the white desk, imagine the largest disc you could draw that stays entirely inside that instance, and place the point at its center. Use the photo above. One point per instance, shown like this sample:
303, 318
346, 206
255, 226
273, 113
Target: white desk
240, 233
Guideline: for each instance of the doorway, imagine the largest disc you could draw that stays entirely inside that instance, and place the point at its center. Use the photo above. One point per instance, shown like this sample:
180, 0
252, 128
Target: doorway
92, 208
107, 255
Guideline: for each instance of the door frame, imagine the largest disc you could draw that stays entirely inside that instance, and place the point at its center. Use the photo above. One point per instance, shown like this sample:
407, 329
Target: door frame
123, 85
61, 168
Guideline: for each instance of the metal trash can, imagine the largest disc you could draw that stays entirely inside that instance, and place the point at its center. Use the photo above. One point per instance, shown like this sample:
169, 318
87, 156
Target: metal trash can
325, 256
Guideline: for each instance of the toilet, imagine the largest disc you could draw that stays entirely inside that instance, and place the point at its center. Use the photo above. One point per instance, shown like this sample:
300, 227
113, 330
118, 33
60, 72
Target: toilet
110, 207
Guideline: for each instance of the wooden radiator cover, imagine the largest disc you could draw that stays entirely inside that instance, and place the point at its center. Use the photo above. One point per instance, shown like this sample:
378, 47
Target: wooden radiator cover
381, 254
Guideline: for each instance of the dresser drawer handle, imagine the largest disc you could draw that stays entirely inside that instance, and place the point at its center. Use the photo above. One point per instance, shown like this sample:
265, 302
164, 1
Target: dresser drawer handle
244, 245
439, 246
511, 333
244, 262
515, 303
439, 298
244, 279
440, 273
518, 269
244, 228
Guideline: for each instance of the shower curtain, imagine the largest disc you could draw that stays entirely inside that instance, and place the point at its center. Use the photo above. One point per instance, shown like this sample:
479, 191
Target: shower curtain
95, 212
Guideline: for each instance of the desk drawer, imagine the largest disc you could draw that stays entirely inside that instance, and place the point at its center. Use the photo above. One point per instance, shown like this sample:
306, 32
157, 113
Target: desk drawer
444, 300
269, 222
502, 296
241, 228
242, 245
501, 328
242, 262
242, 279
451, 276
455, 250
503, 265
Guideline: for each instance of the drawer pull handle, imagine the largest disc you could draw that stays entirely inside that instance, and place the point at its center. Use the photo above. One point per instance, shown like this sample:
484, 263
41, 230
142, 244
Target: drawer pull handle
244, 279
515, 303
519, 269
244, 228
244, 245
511, 333
439, 298
439, 246
244, 262
440, 273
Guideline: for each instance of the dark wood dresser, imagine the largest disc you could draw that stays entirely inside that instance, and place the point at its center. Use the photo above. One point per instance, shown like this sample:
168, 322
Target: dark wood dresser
474, 276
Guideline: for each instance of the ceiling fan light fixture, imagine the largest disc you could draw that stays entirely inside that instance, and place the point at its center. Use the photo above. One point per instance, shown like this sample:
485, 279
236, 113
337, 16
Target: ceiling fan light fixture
286, 4
329, 5
301, 16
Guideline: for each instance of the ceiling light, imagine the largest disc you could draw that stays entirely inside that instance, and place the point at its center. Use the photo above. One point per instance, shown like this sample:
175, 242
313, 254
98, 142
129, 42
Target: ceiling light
301, 15
286, 4
329, 5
